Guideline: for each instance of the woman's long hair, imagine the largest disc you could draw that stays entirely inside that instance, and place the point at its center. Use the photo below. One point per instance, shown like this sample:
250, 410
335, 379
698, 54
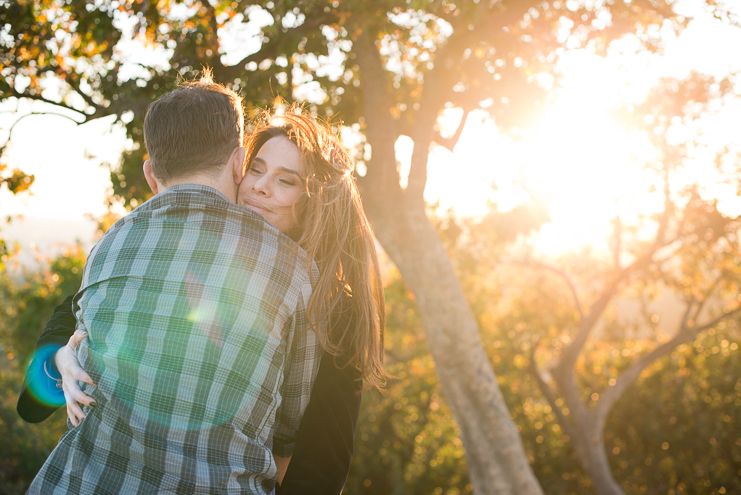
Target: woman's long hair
334, 231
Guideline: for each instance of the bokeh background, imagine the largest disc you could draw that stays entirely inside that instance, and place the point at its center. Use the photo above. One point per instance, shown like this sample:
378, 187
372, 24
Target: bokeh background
555, 186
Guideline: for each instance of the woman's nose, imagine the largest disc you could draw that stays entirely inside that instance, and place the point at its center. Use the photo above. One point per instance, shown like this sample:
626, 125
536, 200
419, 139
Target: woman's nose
261, 186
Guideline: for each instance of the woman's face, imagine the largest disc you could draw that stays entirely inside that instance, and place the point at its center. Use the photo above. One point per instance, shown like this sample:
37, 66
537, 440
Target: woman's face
274, 183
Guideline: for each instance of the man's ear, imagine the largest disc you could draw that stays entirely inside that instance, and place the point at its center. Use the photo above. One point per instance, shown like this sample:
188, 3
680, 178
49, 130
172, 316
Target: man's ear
149, 175
238, 156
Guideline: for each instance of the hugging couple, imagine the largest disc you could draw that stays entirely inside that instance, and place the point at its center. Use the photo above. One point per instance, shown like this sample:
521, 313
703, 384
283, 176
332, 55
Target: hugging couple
224, 328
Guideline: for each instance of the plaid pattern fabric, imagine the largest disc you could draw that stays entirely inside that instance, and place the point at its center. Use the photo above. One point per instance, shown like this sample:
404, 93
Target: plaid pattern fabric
200, 348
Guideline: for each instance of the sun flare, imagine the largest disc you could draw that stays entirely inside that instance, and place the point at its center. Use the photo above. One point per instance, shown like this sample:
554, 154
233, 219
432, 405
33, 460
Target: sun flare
577, 159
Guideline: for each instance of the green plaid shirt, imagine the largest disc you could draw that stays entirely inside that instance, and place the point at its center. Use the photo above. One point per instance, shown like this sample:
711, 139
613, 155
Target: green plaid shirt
200, 349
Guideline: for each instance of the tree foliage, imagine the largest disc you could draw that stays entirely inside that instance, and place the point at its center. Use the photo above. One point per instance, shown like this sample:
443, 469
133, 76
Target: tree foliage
26, 303
75, 54
675, 431
385, 69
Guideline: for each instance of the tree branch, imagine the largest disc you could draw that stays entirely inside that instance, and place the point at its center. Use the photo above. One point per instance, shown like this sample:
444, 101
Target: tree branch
381, 134
547, 392
660, 238
272, 50
76, 87
214, 59
618, 234
611, 395
700, 306
440, 80
708, 294
563, 276
450, 142
684, 334
30, 96
571, 353
717, 320
10, 131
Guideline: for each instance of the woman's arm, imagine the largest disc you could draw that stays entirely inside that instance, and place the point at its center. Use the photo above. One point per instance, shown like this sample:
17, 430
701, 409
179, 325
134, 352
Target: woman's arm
54, 346
55, 335
324, 446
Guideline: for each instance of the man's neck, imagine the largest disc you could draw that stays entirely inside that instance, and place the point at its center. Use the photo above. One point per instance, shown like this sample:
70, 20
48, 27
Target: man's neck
225, 185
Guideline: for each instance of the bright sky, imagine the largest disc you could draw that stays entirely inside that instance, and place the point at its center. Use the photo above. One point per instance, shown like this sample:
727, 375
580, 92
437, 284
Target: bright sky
576, 158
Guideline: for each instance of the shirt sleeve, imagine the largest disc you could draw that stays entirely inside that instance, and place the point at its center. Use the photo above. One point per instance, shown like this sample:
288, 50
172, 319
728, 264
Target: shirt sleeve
57, 332
301, 366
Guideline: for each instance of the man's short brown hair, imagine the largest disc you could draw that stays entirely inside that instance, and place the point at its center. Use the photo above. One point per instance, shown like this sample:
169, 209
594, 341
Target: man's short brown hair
193, 129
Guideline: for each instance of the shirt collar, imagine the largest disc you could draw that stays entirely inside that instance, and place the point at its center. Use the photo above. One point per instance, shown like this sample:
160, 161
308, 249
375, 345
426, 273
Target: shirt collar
208, 190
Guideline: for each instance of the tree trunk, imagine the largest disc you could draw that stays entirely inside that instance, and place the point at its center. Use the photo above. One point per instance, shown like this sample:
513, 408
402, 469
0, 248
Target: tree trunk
496, 457
585, 427
589, 445
494, 451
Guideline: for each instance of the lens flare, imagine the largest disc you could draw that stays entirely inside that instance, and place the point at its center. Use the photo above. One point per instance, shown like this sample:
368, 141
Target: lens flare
42, 382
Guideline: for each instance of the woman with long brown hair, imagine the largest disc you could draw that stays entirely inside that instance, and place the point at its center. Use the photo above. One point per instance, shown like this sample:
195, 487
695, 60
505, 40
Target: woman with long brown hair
299, 178
329, 223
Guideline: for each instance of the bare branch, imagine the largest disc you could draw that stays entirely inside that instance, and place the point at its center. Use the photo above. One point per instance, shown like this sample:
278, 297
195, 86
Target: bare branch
717, 320
267, 52
35, 97
450, 142
76, 87
270, 51
618, 235
611, 395
10, 131
700, 306
563, 371
563, 276
547, 392
684, 334
684, 322
571, 353
440, 80
709, 294
660, 238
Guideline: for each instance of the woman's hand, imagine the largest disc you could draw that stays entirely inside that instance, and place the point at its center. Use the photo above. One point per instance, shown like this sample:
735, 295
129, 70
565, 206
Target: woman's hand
282, 465
71, 371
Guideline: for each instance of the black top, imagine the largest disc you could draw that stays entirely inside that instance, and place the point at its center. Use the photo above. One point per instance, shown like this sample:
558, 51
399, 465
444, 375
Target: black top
324, 446
57, 332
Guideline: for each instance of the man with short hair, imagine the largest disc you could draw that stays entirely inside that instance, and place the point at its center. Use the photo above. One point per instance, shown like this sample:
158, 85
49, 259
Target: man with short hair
195, 308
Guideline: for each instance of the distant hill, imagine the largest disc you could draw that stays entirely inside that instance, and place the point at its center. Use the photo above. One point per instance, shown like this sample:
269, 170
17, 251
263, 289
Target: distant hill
47, 236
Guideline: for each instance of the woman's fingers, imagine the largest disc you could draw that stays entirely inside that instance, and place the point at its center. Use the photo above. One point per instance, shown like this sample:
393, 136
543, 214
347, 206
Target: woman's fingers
79, 374
74, 411
69, 367
72, 373
77, 395
71, 363
74, 396
76, 338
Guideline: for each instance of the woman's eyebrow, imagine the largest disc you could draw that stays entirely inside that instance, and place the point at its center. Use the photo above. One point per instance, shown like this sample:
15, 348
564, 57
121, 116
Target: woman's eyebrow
282, 169
290, 171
